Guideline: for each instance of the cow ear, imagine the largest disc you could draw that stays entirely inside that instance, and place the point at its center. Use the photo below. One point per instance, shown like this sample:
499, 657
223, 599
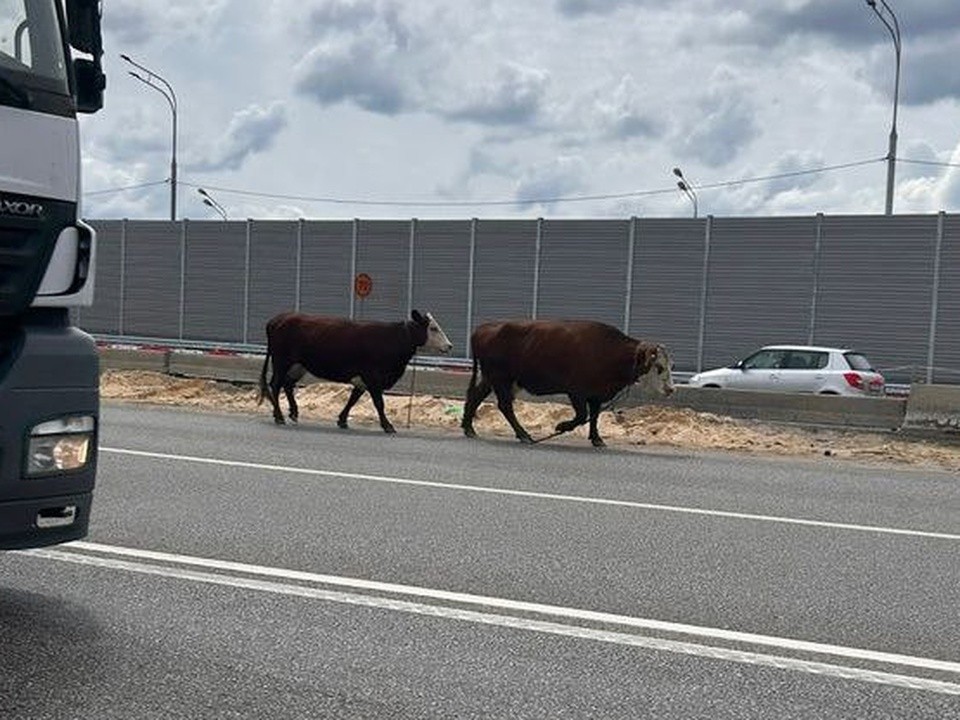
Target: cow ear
648, 356
417, 317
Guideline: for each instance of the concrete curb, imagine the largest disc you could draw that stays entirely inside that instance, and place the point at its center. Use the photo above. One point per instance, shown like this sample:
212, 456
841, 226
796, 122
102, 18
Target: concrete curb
929, 407
933, 407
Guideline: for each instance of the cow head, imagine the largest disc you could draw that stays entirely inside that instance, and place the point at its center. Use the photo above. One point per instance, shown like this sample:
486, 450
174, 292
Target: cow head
433, 336
653, 369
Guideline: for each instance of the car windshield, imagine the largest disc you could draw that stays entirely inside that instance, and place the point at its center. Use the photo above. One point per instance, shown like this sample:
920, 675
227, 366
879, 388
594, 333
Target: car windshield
857, 361
31, 50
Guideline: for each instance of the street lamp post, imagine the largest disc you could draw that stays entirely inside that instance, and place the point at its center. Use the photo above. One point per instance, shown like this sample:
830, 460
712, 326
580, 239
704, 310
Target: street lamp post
171, 97
894, 27
210, 202
687, 189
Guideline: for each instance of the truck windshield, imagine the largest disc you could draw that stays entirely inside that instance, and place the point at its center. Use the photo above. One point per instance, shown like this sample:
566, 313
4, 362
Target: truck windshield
31, 50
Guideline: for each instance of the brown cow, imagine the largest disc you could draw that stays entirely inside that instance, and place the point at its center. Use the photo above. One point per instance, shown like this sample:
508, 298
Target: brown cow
588, 361
371, 356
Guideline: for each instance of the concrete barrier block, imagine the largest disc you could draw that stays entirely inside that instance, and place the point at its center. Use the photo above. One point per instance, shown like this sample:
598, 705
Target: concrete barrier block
233, 368
129, 359
933, 407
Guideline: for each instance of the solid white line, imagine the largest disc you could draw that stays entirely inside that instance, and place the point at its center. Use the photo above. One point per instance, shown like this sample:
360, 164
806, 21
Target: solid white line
521, 606
538, 495
584, 633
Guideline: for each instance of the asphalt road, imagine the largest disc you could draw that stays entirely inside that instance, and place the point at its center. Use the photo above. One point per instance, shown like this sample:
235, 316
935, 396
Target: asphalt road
237, 569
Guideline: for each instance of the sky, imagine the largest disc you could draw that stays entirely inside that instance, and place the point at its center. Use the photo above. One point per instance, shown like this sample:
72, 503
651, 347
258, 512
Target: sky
339, 109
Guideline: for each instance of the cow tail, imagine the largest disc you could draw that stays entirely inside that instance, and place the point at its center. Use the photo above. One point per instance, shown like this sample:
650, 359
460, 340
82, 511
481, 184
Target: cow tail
264, 390
473, 375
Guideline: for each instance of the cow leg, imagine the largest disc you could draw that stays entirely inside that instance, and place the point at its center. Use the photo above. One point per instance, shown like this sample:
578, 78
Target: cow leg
293, 376
476, 394
351, 401
594, 415
580, 406
276, 382
288, 388
505, 403
377, 396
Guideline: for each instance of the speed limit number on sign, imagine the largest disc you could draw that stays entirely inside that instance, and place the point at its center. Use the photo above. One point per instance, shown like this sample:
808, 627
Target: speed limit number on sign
362, 285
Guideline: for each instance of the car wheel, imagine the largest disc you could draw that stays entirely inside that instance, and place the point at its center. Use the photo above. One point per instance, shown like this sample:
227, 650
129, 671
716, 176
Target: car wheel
711, 386
828, 392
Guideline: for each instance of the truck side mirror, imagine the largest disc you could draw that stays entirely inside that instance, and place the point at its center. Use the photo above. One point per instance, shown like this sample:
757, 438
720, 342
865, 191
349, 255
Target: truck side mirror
90, 85
83, 20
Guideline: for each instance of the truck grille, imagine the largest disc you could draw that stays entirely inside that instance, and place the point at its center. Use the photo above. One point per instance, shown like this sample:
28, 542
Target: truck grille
26, 244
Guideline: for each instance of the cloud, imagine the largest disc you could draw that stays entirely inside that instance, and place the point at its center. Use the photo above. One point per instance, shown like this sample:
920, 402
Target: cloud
560, 177
513, 97
574, 8
724, 124
251, 131
620, 114
134, 22
360, 55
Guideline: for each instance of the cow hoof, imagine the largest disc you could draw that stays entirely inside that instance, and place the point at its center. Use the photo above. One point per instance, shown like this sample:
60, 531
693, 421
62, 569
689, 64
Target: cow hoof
389, 429
598, 442
469, 432
564, 427
525, 439
279, 421
342, 424
293, 419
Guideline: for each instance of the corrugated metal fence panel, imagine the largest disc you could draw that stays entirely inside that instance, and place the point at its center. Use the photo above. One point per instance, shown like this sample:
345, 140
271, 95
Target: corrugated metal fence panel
215, 272
946, 357
273, 268
503, 271
583, 270
875, 280
759, 285
325, 283
152, 279
441, 263
668, 268
104, 315
383, 253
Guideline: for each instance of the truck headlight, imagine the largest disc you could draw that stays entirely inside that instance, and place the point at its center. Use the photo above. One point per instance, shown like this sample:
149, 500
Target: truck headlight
60, 445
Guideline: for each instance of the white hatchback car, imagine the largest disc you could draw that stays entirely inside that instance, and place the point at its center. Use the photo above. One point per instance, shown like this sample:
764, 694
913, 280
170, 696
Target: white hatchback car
798, 368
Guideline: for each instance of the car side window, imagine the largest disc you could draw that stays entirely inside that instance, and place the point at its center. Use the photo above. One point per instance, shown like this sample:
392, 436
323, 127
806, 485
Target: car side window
805, 360
764, 360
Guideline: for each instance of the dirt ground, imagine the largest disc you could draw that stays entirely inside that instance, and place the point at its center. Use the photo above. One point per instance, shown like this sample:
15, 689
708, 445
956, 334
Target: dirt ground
653, 426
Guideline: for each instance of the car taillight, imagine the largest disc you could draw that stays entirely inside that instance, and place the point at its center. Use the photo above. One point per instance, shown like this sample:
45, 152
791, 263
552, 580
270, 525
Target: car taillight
854, 380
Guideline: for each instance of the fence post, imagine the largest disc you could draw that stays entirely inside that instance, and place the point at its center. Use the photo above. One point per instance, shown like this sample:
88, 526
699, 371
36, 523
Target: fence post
708, 228
410, 249
353, 268
183, 275
246, 283
536, 270
296, 299
815, 292
935, 299
628, 302
470, 279
123, 276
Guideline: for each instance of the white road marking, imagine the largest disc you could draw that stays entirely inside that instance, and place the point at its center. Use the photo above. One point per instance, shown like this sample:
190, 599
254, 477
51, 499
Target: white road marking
66, 554
539, 495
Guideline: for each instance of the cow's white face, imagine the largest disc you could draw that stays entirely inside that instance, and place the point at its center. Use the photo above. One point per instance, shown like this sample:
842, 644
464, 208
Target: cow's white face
436, 338
657, 380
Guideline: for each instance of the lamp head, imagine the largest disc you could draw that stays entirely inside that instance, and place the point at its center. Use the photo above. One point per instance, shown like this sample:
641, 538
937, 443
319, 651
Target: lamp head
676, 171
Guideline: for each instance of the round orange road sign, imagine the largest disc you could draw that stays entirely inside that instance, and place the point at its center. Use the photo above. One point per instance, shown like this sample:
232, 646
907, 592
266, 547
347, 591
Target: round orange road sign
362, 285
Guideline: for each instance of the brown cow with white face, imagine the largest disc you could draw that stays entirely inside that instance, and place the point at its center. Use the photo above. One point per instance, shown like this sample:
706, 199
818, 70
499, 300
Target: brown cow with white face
588, 361
370, 355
